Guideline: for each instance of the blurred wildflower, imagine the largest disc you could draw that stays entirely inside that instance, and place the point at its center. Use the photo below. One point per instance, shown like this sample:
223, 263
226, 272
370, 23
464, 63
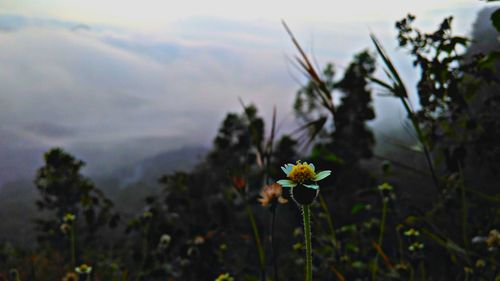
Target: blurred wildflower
344, 258
412, 232
68, 218
358, 265
298, 231
245, 237
14, 274
224, 277
402, 266
70, 276
387, 191
480, 263
478, 239
83, 269
198, 240
164, 241
468, 270
416, 246
147, 215
238, 183
271, 194
65, 228
210, 234
298, 246
493, 239
385, 187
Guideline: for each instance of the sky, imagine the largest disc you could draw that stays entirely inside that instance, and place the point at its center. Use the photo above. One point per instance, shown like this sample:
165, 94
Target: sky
97, 77
158, 13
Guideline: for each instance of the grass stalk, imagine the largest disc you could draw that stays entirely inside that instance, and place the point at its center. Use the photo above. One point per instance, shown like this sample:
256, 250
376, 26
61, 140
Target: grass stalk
464, 211
329, 220
273, 245
145, 247
399, 90
422, 271
258, 243
380, 235
72, 245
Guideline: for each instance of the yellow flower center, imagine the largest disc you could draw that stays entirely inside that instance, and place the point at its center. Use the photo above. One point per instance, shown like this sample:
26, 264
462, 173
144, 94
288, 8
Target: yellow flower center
301, 172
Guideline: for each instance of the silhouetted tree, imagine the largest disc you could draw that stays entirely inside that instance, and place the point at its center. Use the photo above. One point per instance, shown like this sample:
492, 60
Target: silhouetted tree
64, 189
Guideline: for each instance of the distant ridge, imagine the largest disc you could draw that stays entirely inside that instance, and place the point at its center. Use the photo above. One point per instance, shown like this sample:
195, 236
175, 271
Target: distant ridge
150, 169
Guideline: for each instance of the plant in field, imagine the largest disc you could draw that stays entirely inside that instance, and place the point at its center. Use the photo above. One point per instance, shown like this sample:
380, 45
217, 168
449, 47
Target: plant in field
68, 227
70, 276
302, 179
224, 277
271, 194
84, 270
64, 190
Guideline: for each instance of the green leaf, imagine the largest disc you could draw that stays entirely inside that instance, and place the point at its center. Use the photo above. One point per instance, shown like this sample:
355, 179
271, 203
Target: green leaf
400, 89
489, 60
495, 19
358, 265
358, 208
352, 247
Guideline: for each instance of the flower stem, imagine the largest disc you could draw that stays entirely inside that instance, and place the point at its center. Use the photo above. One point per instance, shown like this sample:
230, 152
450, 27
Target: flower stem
73, 245
145, 246
464, 210
273, 245
307, 235
260, 250
329, 220
381, 235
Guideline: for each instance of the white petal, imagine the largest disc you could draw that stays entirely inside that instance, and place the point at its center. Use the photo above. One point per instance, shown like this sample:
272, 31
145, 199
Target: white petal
286, 183
313, 186
321, 175
312, 166
287, 168
283, 168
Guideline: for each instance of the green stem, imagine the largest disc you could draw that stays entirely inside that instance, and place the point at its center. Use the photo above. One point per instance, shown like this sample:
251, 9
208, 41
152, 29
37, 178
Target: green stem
33, 271
273, 246
73, 246
422, 271
260, 250
382, 223
464, 211
380, 235
145, 247
329, 221
422, 140
307, 235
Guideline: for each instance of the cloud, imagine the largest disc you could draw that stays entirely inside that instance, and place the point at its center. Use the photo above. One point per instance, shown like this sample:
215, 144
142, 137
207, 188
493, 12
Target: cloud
75, 85
51, 130
87, 89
